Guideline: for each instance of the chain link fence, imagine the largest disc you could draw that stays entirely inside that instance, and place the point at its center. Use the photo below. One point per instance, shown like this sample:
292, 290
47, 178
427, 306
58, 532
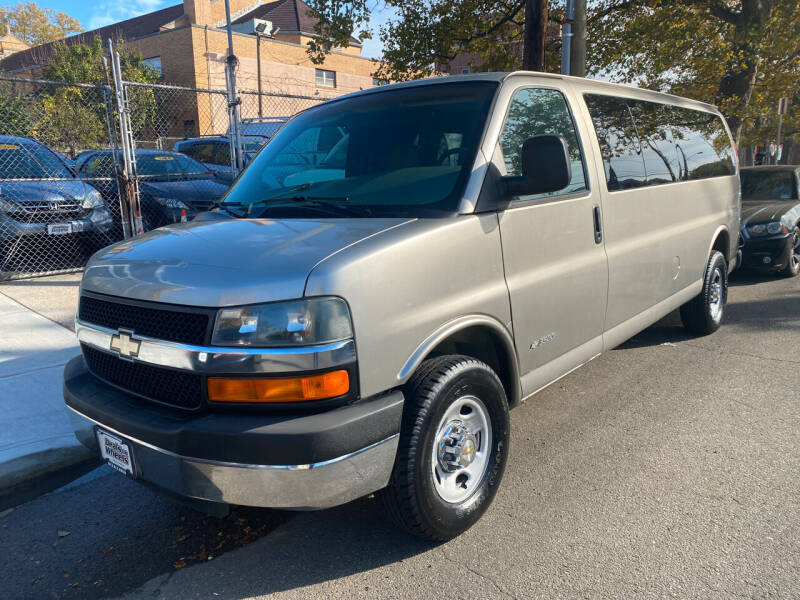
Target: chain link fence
68, 184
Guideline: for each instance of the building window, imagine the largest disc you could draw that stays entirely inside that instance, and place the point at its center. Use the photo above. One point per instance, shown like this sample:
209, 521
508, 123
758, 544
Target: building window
154, 63
379, 82
326, 78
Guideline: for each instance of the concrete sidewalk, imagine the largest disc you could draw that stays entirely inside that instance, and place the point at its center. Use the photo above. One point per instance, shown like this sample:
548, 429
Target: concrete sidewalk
38, 451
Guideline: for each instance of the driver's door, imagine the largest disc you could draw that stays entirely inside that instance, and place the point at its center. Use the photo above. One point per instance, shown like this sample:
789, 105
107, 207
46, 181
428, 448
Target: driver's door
555, 261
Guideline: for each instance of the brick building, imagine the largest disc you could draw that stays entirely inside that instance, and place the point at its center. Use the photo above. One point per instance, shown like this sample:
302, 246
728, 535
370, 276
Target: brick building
187, 44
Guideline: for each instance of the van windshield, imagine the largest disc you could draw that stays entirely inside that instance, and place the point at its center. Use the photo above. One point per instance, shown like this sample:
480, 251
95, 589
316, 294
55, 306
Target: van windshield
406, 152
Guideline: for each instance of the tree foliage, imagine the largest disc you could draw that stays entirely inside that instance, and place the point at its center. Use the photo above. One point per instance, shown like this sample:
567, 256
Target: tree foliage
428, 33
75, 117
741, 55
35, 25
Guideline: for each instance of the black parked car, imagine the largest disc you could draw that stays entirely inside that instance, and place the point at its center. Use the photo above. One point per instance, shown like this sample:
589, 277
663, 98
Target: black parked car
172, 186
771, 218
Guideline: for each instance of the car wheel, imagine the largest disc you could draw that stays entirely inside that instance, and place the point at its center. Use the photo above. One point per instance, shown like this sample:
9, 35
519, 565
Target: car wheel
703, 314
792, 268
453, 448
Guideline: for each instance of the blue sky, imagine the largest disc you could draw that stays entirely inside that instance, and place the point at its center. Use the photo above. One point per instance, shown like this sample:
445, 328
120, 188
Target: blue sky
97, 13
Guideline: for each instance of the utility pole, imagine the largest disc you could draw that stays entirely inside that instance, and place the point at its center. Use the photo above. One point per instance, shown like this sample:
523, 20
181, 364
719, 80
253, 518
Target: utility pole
533, 57
783, 105
566, 37
233, 100
577, 65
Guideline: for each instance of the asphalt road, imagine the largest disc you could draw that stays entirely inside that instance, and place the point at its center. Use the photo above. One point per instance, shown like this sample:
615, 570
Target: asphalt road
669, 467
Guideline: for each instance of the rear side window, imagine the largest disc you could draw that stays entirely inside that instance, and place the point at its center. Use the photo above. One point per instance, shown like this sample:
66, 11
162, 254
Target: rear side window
660, 155
619, 142
222, 154
704, 148
532, 112
202, 152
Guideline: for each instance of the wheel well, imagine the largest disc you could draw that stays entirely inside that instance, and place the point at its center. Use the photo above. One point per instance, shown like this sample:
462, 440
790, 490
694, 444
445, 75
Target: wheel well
485, 345
723, 244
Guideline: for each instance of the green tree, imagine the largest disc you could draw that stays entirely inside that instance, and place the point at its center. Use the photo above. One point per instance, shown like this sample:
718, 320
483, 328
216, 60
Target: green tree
15, 117
427, 33
74, 116
738, 54
35, 25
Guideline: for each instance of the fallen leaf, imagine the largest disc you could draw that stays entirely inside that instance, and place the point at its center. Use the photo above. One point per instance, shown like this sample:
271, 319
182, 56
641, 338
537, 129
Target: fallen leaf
63, 533
179, 564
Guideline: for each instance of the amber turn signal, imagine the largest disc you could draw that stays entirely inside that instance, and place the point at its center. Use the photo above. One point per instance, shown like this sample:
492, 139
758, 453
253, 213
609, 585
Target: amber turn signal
284, 389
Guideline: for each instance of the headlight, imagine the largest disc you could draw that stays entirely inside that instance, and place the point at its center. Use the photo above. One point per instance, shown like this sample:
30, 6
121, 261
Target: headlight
771, 228
92, 199
172, 203
776, 227
295, 323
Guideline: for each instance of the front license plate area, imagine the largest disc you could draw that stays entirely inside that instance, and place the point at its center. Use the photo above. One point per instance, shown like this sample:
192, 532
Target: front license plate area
59, 228
116, 452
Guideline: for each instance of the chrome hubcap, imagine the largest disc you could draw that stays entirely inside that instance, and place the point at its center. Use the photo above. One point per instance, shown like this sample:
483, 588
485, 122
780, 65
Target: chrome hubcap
795, 258
460, 454
715, 295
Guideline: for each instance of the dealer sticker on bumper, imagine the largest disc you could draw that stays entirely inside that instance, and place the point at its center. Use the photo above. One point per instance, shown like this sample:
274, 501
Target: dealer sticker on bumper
115, 452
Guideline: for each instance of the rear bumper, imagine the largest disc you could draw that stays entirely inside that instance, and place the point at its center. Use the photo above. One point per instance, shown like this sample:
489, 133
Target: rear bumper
771, 254
292, 461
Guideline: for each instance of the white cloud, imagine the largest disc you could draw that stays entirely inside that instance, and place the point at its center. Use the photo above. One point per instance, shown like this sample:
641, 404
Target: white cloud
107, 12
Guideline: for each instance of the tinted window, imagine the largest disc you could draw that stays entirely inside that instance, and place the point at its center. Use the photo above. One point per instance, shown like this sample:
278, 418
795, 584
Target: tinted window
619, 144
768, 185
538, 112
167, 164
409, 152
99, 165
202, 152
704, 148
222, 154
660, 155
26, 160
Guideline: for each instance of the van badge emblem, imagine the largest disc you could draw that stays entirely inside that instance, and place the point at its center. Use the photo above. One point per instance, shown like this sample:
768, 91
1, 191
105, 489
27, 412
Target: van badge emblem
542, 340
125, 344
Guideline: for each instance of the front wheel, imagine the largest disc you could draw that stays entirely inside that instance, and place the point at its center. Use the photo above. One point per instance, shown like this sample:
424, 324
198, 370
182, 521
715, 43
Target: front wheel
453, 448
703, 314
792, 268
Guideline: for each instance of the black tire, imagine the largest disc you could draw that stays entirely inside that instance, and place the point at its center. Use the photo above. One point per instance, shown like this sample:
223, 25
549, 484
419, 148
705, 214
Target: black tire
792, 268
411, 498
699, 314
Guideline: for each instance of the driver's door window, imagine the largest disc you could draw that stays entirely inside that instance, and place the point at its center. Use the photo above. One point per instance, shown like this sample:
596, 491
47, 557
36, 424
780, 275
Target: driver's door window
539, 111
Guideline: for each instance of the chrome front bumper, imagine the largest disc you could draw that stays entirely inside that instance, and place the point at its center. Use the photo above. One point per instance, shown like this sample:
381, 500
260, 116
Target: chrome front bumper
299, 487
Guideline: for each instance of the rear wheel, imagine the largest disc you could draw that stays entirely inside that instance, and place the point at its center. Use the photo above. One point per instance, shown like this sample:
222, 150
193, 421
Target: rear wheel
453, 448
792, 268
703, 314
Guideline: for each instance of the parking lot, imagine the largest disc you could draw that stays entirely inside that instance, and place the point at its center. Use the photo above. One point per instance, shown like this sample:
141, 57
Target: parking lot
668, 467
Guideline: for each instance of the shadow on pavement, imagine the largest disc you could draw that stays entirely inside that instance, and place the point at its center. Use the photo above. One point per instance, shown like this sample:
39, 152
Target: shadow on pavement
109, 536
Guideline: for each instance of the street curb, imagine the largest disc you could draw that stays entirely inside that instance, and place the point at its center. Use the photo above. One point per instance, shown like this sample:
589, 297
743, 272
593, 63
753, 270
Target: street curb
30, 476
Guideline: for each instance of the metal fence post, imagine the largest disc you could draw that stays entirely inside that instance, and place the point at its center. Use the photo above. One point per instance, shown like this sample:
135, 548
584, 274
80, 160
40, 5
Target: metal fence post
129, 184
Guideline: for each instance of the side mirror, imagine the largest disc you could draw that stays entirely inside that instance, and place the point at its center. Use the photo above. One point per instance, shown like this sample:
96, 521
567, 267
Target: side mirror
545, 167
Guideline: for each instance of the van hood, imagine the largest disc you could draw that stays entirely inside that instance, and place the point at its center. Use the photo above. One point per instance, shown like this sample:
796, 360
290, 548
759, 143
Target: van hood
224, 263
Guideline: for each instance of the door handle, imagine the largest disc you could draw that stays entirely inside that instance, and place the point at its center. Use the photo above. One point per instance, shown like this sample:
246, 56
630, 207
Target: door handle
598, 225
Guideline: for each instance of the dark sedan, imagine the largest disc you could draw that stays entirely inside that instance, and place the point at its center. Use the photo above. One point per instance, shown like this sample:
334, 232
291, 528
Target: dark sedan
172, 186
771, 218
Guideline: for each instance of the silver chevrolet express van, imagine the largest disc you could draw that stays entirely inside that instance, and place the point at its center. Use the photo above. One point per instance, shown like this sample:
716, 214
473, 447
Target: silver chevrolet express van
390, 274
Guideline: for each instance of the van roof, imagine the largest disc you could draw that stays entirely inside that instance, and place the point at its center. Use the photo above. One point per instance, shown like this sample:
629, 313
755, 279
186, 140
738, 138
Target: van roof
601, 86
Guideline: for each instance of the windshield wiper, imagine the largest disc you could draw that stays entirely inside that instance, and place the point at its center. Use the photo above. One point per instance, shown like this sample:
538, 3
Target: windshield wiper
329, 204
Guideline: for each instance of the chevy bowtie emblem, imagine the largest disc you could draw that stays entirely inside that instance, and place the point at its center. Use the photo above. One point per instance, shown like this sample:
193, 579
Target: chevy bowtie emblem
124, 343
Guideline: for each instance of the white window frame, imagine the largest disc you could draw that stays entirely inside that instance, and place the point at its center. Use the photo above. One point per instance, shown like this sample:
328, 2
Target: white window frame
325, 78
